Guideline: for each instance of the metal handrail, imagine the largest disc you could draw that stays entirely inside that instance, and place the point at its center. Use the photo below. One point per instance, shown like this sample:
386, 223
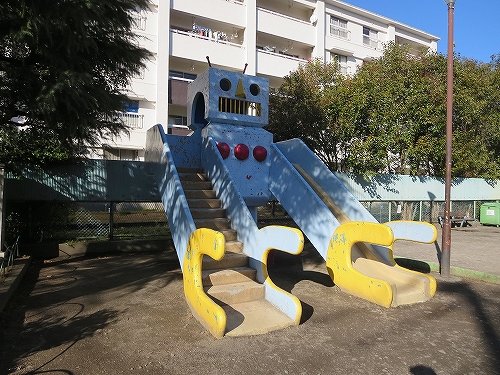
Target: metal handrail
8, 259
191, 34
285, 56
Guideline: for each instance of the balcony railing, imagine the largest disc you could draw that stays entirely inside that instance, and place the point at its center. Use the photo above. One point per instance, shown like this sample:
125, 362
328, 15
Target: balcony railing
139, 21
271, 51
283, 15
132, 120
212, 37
286, 28
276, 64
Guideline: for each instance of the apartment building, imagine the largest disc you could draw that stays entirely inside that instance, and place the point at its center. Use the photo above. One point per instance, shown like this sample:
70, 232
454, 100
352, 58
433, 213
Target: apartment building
267, 38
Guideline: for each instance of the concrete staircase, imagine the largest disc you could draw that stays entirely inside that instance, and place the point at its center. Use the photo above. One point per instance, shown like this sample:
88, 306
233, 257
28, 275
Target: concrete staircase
230, 282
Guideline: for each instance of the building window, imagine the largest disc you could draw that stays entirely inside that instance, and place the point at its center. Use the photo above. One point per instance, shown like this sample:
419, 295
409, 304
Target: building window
338, 28
132, 106
181, 76
177, 120
370, 37
177, 125
341, 60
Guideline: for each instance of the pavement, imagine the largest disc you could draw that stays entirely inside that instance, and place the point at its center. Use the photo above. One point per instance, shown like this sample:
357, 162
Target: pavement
123, 311
475, 253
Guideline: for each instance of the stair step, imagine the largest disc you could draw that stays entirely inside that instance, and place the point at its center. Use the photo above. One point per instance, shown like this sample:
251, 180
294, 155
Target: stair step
216, 224
196, 185
200, 194
236, 292
230, 282
229, 235
229, 260
254, 318
193, 177
208, 213
234, 246
228, 276
204, 203
189, 170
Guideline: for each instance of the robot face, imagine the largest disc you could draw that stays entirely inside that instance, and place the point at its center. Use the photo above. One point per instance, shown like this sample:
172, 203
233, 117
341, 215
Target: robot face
229, 98
240, 104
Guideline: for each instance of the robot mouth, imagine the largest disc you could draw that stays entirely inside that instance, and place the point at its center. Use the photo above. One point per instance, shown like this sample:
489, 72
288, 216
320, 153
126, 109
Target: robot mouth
239, 107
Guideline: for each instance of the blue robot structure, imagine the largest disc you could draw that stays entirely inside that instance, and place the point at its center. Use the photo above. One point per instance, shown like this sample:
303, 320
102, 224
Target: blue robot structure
236, 167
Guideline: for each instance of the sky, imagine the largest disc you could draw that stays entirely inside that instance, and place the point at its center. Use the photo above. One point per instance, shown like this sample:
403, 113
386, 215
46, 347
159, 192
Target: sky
475, 22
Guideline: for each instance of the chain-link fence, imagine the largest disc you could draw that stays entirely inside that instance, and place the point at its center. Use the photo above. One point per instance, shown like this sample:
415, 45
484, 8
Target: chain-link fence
73, 221
428, 211
273, 213
383, 211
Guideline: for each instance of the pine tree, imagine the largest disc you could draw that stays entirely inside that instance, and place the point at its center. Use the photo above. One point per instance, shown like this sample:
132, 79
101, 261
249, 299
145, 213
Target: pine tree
63, 67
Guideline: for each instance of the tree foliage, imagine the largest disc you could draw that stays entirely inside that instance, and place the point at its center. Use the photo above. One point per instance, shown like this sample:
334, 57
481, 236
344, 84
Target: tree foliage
390, 116
63, 67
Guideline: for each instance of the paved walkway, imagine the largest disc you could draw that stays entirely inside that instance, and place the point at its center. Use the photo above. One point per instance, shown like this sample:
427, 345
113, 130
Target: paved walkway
475, 249
475, 253
126, 314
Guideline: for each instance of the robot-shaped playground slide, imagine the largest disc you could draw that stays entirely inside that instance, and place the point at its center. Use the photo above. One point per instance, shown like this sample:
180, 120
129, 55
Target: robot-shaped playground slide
212, 182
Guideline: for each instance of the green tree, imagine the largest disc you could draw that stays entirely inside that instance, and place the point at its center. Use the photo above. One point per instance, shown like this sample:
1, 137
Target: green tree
390, 116
298, 107
406, 109
476, 114
63, 67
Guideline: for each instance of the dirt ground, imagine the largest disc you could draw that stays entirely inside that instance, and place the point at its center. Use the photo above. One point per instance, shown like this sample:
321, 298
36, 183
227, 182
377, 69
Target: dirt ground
126, 314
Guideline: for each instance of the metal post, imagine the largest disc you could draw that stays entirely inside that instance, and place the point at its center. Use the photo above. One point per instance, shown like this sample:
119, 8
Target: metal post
2, 207
111, 219
446, 236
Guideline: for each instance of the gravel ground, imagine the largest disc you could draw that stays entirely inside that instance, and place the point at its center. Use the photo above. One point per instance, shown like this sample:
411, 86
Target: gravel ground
126, 314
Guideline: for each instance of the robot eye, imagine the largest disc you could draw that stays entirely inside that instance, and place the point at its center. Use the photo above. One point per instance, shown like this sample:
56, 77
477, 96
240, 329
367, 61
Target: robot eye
254, 89
225, 84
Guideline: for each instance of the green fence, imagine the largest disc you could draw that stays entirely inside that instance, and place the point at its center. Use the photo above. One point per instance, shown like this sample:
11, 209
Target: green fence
74, 221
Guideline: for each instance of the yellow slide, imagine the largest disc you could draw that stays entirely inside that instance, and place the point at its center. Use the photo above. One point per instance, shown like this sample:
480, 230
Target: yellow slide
381, 283
358, 268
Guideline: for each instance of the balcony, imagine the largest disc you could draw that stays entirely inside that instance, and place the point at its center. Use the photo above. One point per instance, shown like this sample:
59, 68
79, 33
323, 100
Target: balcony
150, 42
276, 64
287, 27
232, 12
142, 90
340, 45
191, 46
132, 120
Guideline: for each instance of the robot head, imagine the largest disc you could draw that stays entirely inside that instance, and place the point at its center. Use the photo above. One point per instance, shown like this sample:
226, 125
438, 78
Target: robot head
221, 96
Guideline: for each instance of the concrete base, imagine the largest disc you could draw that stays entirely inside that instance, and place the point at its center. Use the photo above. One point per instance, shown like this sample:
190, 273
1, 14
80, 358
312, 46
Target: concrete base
12, 280
54, 250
